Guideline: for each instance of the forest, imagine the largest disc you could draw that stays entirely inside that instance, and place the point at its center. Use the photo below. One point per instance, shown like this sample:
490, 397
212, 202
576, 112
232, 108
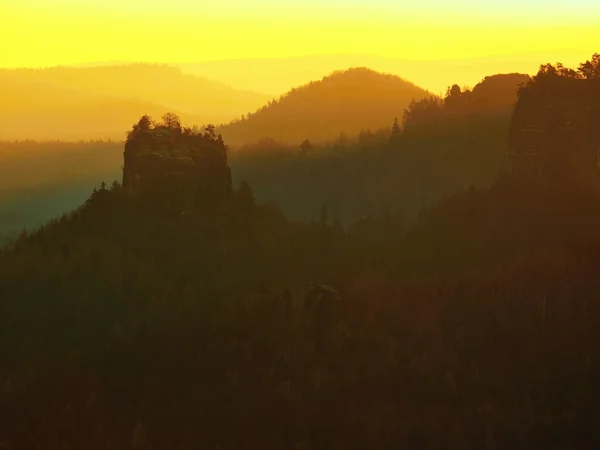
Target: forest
352, 174
433, 299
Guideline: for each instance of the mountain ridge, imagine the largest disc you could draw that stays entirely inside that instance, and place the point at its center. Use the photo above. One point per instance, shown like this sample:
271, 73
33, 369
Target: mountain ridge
100, 102
276, 75
343, 101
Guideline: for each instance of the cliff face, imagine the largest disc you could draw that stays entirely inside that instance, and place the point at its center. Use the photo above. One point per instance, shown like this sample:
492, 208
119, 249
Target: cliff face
554, 130
183, 166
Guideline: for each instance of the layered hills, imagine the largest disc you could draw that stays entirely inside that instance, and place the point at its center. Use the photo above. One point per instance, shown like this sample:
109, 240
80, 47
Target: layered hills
59, 175
73, 103
342, 102
99, 102
444, 145
276, 75
126, 324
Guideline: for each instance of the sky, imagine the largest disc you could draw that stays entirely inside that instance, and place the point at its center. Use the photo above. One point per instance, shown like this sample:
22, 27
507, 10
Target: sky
37, 33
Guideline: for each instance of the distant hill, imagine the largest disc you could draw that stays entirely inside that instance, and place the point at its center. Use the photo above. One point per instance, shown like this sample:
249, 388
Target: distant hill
42, 111
344, 101
445, 146
101, 102
277, 75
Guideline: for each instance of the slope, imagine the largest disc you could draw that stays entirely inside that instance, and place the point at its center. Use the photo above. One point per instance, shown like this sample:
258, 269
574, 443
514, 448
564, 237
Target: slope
37, 110
109, 98
445, 146
344, 101
149, 332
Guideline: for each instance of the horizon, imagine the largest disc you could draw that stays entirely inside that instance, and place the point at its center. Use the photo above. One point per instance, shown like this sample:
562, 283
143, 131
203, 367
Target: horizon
427, 74
91, 63
70, 33
431, 44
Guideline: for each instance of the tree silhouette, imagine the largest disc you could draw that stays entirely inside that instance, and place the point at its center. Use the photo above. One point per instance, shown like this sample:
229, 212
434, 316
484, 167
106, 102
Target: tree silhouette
453, 92
591, 69
244, 194
145, 124
171, 120
395, 127
210, 133
306, 147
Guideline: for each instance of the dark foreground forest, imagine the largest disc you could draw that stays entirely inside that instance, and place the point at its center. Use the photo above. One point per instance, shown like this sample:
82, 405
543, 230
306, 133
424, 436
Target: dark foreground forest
150, 318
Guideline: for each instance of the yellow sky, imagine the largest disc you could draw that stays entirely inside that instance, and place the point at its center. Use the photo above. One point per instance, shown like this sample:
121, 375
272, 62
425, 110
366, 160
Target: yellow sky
43, 33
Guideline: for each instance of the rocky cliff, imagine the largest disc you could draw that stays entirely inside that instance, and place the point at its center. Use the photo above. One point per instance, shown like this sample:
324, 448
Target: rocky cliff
554, 130
187, 167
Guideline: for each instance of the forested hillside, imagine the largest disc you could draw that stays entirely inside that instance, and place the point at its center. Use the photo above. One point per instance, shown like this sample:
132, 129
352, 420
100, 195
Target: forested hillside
438, 146
343, 102
175, 311
168, 331
40, 180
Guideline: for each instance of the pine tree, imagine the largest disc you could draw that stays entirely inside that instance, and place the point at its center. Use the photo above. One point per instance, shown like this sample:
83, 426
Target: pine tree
395, 126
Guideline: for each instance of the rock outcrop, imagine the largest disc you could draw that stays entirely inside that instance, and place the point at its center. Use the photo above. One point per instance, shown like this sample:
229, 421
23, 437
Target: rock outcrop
167, 161
554, 130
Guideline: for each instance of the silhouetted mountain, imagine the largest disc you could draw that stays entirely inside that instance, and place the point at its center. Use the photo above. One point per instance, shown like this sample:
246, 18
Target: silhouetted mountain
99, 102
443, 146
343, 102
51, 174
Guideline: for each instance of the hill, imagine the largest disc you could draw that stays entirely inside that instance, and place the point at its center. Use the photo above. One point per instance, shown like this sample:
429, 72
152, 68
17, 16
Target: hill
344, 101
443, 146
276, 75
41, 180
100, 102
42, 111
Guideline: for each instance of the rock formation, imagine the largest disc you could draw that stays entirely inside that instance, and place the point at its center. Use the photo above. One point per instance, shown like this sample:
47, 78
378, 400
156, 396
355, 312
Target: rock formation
187, 167
554, 130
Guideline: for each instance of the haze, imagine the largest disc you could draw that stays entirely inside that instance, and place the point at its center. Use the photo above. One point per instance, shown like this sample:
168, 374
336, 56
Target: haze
461, 33
299, 224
